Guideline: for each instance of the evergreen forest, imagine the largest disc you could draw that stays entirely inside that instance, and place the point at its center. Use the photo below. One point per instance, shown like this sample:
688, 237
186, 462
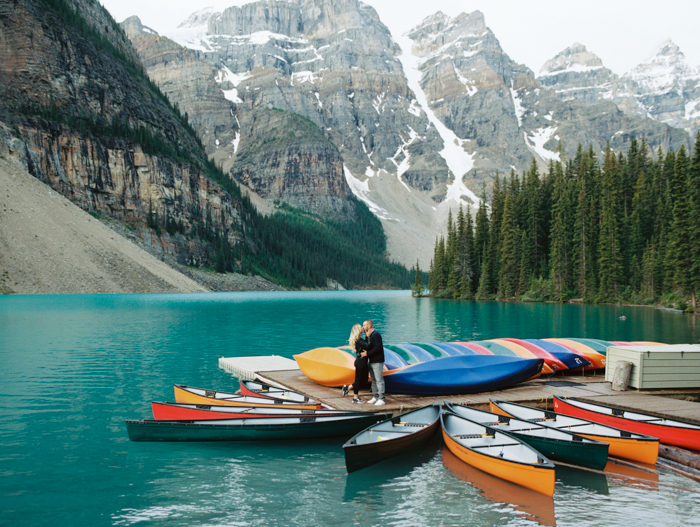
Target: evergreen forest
617, 230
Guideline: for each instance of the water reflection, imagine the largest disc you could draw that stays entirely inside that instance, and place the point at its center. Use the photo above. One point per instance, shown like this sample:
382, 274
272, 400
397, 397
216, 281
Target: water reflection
584, 480
630, 474
528, 503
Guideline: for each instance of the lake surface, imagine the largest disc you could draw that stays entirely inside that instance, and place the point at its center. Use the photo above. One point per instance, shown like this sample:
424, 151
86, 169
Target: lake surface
73, 368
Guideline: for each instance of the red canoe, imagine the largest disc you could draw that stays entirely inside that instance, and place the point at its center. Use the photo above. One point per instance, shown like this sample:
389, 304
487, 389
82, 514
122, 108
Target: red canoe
669, 431
193, 412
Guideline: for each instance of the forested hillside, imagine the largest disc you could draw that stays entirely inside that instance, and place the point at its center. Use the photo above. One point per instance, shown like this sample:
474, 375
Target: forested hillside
620, 229
79, 112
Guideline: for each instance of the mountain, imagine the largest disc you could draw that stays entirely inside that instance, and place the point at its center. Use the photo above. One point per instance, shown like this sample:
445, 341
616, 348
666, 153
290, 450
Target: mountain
664, 87
417, 122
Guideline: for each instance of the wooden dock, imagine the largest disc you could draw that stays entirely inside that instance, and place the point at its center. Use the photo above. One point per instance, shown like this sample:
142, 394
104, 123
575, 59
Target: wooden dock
535, 393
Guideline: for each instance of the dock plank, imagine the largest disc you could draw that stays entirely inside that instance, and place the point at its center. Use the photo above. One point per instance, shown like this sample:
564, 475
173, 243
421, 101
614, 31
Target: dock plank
536, 393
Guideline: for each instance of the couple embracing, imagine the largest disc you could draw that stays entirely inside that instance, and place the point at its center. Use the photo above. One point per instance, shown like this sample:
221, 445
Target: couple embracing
369, 351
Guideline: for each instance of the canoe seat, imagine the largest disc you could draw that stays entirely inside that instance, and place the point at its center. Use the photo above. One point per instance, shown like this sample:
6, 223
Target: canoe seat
473, 436
419, 425
542, 420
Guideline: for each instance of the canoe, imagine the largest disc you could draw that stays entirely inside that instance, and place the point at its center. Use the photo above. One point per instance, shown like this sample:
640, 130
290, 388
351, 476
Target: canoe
669, 431
497, 453
393, 360
435, 349
527, 503
597, 359
555, 444
567, 356
454, 349
191, 395
392, 437
475, 347
163, 411
260, 389
600, 346
461, 374
261, 429
407, 356
327, 366
500, 348
624, 444
533, 351
420, 353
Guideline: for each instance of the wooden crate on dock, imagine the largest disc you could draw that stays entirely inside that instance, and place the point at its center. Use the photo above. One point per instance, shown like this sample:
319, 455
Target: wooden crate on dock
671, 366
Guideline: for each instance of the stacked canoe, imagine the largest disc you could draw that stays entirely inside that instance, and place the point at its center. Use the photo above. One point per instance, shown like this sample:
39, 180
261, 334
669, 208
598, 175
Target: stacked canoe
446, 368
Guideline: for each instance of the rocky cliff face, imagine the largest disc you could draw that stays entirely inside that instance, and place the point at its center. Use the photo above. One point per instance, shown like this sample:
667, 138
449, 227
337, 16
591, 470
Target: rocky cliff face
74, 104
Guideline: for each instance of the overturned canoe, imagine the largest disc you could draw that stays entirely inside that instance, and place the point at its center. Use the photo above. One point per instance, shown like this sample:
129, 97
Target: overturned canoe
497, 453
331, 367
628, 445
261, 429
260, 389
461, 374
163, 411
669, 431
596, 359
191, 395
392, 437
558, 445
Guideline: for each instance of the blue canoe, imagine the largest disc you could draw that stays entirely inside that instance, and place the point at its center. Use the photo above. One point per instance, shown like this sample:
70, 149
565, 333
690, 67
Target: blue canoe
462, 374
572, 360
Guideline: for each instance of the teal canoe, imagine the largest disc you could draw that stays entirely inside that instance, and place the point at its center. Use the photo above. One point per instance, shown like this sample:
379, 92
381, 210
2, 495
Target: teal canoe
558, 445
259, 429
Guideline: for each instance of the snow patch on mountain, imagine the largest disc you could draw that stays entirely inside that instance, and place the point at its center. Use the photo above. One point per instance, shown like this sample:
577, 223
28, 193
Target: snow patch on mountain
458, 160
537, 141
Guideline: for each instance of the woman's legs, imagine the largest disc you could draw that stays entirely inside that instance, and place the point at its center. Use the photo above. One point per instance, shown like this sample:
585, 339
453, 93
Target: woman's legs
361, 374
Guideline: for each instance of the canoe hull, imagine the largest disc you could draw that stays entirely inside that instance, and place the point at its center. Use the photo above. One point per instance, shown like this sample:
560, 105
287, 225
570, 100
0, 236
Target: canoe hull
140, 430
192, 412
670, 435
644, 449
559, 445
330, 367
462, 374
538, 479
359, 456
183, 394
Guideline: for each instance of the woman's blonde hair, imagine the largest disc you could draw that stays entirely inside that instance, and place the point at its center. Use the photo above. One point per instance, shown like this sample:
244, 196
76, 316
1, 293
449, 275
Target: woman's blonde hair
354, 335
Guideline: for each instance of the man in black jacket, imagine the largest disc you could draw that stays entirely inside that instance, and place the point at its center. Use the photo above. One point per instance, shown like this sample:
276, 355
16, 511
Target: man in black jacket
375, 352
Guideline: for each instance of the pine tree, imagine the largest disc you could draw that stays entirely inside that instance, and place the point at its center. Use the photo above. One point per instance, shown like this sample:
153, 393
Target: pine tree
694, 227
679, 256
481, 234
510, 251
610, 246
560, 235
418, 283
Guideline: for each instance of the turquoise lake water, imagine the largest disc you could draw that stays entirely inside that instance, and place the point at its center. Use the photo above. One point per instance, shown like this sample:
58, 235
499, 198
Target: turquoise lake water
73, 368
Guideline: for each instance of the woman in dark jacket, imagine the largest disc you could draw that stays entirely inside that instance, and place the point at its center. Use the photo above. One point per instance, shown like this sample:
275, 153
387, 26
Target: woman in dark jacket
358, 343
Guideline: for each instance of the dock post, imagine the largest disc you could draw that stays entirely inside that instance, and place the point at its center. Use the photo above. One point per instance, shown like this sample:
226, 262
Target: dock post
622, 376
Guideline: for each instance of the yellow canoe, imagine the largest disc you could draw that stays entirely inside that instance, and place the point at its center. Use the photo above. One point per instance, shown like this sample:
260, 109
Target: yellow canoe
327, 366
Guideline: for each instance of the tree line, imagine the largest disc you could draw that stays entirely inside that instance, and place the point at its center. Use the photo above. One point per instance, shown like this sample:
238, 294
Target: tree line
620, 231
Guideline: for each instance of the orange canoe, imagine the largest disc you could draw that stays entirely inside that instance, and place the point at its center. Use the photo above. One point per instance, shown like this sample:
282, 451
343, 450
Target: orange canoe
497, 453
596, 359
531, 504
327, 366
190, 395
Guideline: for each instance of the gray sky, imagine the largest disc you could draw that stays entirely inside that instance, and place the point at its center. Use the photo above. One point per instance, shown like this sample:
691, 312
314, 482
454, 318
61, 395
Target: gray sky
622, 33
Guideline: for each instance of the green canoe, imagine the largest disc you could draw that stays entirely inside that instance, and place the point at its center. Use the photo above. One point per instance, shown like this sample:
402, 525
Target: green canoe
555, 444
